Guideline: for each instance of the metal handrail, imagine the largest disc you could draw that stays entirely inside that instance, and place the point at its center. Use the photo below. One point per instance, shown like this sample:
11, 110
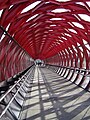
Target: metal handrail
10, 91
76, 69
4, 111
70, 67
2, 97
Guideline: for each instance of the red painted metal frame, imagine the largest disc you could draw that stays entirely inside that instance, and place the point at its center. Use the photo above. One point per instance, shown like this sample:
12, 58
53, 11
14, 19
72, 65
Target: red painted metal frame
13, 59
43, 37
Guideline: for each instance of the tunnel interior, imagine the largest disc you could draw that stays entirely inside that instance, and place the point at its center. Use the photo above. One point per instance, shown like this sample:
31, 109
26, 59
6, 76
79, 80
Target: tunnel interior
55, 34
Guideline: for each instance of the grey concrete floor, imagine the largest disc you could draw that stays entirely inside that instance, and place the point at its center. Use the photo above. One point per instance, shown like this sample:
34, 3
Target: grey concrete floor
53, 98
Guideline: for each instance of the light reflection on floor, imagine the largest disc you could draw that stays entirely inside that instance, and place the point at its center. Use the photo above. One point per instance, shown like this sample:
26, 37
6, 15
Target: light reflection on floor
53, 98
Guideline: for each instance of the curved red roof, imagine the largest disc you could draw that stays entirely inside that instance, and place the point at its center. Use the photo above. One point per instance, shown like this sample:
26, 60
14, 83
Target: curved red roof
43, 29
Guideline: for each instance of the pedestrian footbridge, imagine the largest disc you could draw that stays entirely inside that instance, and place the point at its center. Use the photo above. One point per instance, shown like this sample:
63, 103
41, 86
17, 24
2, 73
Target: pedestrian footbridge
42, 94
44, 59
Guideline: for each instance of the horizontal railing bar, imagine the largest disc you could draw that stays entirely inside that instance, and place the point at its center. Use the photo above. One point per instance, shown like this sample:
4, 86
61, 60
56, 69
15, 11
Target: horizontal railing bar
70, 67
75, 70
20, 79
4, 111
21, 82
2, 97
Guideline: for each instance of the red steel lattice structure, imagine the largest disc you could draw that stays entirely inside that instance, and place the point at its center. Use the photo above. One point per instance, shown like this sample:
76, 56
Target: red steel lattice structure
56, 31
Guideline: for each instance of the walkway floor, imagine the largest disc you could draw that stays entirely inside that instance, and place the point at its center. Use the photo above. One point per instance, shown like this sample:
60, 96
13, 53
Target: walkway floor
53, 98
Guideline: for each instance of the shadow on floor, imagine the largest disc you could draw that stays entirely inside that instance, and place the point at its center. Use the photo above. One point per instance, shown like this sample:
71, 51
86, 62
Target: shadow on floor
53, 98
